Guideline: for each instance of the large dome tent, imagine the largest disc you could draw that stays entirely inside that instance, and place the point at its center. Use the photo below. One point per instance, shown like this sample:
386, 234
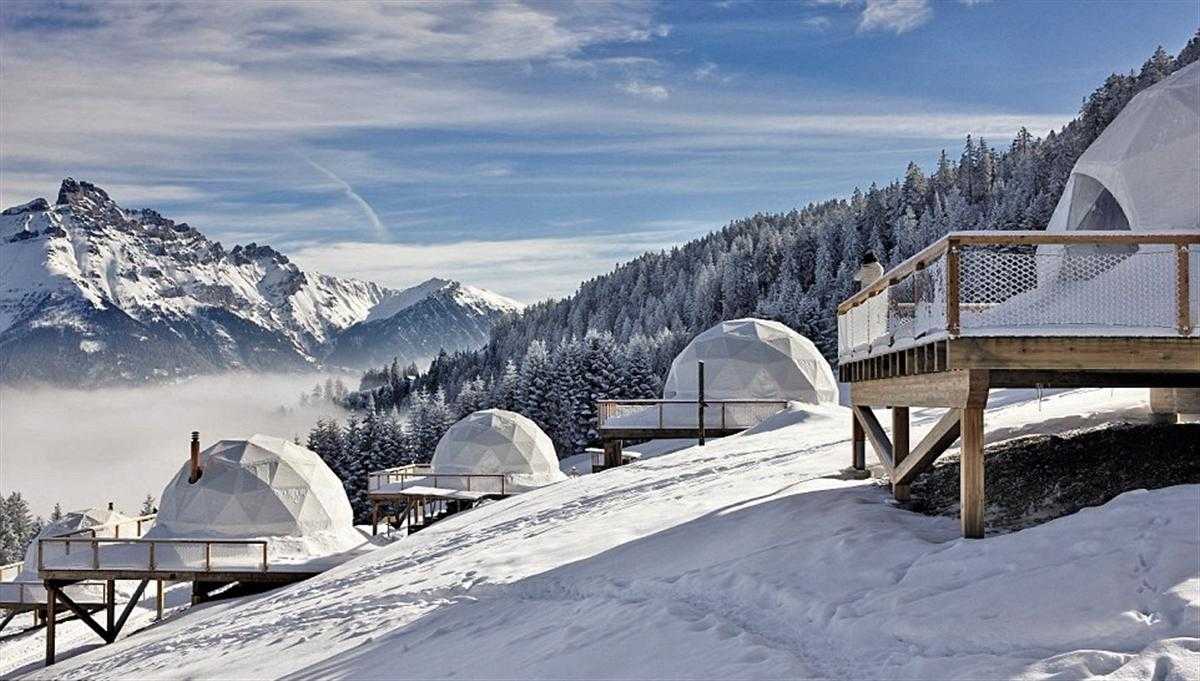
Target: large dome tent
498, 442
260, 487
748, 359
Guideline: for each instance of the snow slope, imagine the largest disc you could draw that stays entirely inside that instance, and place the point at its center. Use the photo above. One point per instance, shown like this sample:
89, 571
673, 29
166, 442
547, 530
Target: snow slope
753, 557
93, 292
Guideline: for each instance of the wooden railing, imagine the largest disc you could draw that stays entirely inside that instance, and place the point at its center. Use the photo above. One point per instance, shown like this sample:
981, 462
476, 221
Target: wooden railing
1013, 283
152, 555
9, 572
672, 414
422, 474
134, 528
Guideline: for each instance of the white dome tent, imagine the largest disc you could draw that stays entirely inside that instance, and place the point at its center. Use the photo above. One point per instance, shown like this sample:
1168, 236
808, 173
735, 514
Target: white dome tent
1140, 175
1142, 172
752, 359
261, 487
498, 442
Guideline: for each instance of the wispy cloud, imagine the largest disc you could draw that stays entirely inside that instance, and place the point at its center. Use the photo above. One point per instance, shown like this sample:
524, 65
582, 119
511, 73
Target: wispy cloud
647, 90
817, 23
898, 16
368, 212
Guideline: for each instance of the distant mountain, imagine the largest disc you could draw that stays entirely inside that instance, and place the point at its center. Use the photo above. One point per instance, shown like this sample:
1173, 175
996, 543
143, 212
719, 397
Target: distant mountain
92, 293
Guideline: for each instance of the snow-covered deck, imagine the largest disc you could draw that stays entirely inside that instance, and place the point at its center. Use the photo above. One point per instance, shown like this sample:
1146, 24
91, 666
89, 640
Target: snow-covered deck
1029, 284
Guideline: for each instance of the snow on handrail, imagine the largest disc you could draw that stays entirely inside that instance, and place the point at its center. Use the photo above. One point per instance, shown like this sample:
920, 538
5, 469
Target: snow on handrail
413, 475
150, 555
651, 415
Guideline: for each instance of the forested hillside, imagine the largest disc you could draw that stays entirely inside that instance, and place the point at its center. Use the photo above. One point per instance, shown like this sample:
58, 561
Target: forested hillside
616, 336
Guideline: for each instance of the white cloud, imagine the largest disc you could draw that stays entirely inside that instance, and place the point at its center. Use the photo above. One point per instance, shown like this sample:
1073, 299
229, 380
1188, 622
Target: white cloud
648, 90
899, 16
525, 269
817, 23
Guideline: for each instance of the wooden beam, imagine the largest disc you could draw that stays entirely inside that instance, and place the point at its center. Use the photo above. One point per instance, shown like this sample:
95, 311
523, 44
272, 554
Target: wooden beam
1158, 354
110, 603
137, 595
900, 491
970, 489
858, 444
612, 453
935, 442
1182, 288
9, 617
1075, 378
82, 614
879, 439
51, 620
940, 389
158, 599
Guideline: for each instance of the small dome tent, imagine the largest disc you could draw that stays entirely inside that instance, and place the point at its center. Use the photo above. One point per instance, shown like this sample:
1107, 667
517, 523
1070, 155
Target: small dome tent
752, 359
498, 442
259, 487
76, 522
1142, 172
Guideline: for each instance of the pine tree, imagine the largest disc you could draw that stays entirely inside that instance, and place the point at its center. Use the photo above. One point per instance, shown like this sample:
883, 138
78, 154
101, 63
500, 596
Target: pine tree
149, 505
57, 513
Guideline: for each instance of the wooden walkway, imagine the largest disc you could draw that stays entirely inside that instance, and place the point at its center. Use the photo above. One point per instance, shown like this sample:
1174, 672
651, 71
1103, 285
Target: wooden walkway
414, 497
967, 315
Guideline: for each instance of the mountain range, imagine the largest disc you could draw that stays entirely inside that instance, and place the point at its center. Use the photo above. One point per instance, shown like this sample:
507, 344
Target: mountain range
92, 293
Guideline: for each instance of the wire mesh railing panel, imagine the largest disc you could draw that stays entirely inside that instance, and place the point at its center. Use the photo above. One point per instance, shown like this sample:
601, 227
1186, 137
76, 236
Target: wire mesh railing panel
632, 414
1094, 288
748, 414
65, 555
929, 297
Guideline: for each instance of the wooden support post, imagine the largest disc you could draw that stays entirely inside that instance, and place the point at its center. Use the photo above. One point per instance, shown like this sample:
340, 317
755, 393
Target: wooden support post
952, 290
51, 620
612, 453
158, 600
110, 603
1182, 290
858, 444
875, 435
374, 518
13, 613
700, 402
899, 448
971, 492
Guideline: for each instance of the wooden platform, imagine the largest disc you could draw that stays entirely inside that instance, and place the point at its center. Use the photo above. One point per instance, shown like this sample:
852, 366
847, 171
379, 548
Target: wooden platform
898, 349
414, 496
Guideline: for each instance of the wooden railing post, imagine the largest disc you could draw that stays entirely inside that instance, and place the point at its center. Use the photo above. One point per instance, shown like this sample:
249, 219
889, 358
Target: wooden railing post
952, 289
152, 544
264, 556
1183, 290
208, 556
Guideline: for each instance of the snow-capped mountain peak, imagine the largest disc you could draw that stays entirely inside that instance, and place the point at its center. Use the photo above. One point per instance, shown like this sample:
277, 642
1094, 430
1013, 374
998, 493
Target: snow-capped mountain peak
92, 291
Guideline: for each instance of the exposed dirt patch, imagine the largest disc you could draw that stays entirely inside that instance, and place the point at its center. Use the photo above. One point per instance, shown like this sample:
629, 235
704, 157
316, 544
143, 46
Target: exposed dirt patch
1034, 479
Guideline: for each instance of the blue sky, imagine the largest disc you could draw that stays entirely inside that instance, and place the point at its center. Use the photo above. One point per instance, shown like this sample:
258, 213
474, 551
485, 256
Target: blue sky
526, 147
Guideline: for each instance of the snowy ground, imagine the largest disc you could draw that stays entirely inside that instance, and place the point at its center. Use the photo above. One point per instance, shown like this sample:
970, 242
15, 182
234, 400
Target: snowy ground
753, 557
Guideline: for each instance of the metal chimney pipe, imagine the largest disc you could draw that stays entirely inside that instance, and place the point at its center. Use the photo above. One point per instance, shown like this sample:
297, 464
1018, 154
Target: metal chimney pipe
195, 474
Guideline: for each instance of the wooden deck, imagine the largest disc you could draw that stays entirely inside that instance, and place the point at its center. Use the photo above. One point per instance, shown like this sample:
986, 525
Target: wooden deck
665, 419
209, 564
414, 497
903, 341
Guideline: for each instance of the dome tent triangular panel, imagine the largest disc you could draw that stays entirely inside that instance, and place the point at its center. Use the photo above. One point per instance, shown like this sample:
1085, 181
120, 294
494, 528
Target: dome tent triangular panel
752, 359
254, 488
498, 442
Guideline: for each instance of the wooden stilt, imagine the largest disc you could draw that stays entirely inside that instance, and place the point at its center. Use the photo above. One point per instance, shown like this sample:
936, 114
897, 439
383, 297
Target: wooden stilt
899, 448
158, 599
612, 453
858, 443
11, 614
51, 617
110, 603
374, 518
971, 492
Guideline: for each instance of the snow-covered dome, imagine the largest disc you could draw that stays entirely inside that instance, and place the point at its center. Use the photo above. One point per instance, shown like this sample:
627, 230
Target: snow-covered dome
1142, 172
752, 359
498, 442
261, 487
70, 523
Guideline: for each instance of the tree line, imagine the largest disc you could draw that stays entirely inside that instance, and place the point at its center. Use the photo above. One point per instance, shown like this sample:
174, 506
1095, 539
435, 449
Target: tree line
616, 336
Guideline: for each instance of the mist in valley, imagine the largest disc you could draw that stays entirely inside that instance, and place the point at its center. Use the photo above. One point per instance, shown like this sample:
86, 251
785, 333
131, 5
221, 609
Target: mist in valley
85, 448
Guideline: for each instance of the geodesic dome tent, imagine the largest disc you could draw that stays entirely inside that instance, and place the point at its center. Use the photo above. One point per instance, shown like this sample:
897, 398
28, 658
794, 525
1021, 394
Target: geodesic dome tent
497, 442
260, 487
1142, 172
747, 359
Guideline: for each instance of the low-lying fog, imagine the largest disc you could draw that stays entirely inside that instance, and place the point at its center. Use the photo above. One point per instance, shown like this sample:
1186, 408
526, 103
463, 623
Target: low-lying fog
85, 448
